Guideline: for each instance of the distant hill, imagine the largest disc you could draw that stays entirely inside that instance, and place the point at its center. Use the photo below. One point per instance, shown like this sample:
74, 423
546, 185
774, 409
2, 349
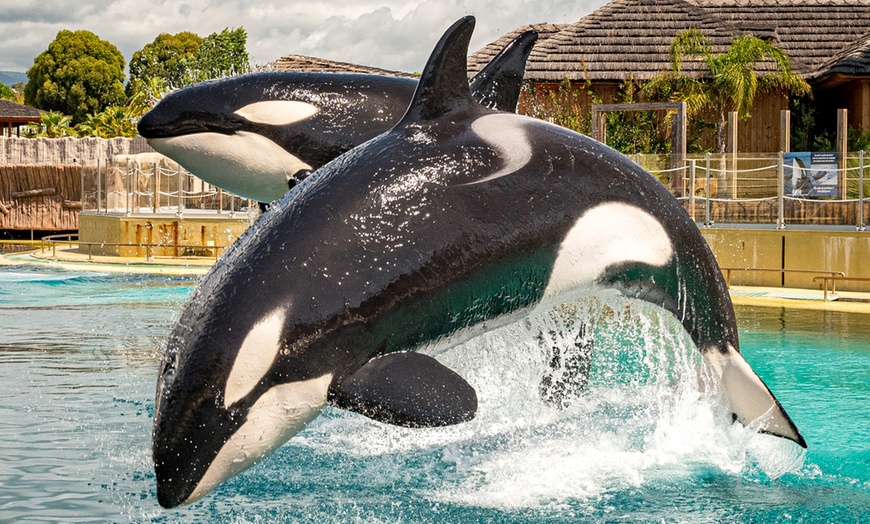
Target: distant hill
11, 78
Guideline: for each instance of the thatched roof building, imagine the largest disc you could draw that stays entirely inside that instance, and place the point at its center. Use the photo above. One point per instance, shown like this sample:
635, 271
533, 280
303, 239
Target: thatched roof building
13, 116
321, 65
478, 60
827, 41
630, 38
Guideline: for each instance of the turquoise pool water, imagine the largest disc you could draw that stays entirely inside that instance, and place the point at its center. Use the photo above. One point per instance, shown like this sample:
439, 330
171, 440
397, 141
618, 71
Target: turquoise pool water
648, 442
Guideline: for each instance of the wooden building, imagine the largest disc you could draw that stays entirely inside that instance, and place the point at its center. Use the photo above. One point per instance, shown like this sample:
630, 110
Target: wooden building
827, 41
13, 116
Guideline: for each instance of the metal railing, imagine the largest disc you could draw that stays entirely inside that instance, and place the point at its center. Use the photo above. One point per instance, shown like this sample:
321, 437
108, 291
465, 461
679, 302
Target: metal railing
833, 280
754, 189
727, 271
153, 188
189, 250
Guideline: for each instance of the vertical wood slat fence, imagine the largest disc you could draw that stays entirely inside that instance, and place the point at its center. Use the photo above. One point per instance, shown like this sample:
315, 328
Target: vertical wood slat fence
40, 197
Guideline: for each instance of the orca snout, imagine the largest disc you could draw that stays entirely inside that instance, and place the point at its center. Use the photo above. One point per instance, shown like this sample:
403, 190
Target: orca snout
172, 490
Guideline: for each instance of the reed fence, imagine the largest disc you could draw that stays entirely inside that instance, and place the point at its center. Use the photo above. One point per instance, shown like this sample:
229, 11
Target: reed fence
40, 197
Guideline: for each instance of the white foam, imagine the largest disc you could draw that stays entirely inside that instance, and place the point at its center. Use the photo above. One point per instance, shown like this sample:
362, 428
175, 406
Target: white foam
653, 410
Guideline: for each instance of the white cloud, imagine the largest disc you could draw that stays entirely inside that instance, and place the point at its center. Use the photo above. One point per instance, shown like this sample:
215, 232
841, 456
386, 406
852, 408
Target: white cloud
393, 35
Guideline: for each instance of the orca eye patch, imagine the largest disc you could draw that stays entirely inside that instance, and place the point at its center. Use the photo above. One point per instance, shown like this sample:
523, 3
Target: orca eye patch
276, 112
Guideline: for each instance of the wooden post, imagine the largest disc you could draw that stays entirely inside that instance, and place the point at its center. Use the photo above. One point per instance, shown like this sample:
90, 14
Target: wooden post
599, 126
842, 137
731, 149
785, 131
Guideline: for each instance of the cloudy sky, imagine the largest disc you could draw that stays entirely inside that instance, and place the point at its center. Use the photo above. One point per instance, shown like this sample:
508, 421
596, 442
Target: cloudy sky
389, 34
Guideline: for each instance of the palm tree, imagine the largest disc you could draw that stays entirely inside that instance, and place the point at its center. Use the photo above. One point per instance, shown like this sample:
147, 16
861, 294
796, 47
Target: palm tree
114, 121
146, 93
731, 81
53, 124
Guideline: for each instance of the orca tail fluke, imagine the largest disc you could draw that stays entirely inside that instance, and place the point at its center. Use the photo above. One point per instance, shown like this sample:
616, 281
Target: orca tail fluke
750, 398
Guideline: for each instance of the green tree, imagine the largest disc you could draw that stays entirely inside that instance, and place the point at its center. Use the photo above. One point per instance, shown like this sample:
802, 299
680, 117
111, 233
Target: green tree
222, 54
13, 94
145, 94
78, 74
168, 57
6, 92
731, 79
111, 122
53, 124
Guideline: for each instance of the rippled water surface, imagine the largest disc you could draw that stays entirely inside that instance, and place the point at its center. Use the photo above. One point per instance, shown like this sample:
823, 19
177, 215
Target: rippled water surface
649, 441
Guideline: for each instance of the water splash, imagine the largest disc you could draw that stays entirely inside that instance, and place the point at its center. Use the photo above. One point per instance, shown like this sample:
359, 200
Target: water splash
650, 412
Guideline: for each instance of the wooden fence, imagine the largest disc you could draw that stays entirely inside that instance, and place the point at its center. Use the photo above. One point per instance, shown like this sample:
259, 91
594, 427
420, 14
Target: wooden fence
40, 197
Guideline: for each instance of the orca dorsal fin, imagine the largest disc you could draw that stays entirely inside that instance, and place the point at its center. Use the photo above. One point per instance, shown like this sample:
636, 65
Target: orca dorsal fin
497, 86
443, 86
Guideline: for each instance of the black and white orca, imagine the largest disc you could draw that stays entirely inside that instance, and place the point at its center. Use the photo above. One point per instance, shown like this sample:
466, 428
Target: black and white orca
258, 134
458, 220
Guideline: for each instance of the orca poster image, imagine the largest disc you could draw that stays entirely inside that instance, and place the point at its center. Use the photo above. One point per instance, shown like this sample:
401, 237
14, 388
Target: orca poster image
811, 175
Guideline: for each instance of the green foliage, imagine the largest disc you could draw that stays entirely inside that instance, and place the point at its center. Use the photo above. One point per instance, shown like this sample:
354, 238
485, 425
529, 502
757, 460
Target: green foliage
111, 122
53, 124
6, 92
803, 124
78, 74
13, 94
732, 79
145, 93
808, 135
632, 132
563, 106
220, 54
168, 57
859, 139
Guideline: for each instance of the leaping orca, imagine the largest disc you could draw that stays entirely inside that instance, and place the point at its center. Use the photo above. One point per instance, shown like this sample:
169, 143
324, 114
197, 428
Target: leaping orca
458, 220
255, 135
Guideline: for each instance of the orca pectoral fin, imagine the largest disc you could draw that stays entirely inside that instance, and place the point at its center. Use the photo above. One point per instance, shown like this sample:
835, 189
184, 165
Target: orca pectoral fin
407, 389
749, 397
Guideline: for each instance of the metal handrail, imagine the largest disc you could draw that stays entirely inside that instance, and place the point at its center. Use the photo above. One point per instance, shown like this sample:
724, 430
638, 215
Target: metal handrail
820, 272
833, 279
54, 240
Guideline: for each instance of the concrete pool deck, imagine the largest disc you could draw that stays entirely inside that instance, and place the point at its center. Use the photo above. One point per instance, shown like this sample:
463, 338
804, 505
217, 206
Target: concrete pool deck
69, 258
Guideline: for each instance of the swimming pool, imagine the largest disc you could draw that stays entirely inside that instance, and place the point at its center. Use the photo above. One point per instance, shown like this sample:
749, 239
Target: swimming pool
647, 442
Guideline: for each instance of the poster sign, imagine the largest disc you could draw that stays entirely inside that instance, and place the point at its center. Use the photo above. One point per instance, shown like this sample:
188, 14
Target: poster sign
811, 175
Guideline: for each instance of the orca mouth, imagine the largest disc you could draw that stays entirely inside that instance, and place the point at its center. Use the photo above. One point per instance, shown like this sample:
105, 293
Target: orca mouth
171, 494
152, 126
179, 468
